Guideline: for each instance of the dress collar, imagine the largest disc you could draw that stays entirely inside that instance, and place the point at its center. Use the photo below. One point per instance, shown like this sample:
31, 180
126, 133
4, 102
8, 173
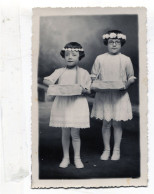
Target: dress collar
114, 55
71, 67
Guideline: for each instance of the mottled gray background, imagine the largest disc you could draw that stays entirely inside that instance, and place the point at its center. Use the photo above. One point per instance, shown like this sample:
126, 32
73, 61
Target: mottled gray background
56, 31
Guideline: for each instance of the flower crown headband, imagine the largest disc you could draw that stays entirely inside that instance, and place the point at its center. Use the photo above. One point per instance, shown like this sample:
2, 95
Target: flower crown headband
72, 49
114, 35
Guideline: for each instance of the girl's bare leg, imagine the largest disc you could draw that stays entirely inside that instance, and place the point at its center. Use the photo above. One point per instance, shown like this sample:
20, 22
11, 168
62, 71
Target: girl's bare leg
65, 144
106, 133
117, 140
75, 133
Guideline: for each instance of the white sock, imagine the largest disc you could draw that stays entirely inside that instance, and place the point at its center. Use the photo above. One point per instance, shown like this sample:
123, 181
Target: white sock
106, 133
117, 134
66, 142
75, 133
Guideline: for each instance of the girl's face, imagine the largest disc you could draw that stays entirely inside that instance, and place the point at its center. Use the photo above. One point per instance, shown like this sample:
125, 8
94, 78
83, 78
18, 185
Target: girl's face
72, 57
114, 46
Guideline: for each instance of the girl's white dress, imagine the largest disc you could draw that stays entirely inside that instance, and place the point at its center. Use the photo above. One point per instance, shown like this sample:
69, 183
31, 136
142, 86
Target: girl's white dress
70, 111
113, 104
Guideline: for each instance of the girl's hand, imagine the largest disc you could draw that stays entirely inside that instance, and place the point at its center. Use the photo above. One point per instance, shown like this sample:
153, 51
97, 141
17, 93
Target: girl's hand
93, 77
85, 90
124, 88
47, 82
128, 83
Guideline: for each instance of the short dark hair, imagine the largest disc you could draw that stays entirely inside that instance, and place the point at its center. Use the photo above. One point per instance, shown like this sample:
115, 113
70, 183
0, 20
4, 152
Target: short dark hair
123, 41
73, 45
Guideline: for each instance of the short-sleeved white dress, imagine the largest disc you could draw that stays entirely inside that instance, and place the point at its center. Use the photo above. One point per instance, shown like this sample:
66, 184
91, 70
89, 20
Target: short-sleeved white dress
113, 104
70, 111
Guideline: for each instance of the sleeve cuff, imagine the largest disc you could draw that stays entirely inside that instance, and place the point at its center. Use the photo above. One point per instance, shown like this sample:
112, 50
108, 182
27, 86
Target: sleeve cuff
47, 78
92, 76
132, 77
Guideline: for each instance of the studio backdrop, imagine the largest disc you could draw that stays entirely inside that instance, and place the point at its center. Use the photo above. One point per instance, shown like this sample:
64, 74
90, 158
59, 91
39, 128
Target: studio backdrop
56, 31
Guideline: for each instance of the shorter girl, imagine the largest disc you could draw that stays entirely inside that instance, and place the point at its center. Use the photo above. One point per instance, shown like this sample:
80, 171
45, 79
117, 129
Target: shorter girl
113, 106
71, 112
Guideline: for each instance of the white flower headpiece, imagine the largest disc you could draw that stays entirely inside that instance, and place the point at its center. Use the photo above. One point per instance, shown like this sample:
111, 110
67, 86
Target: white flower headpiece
72, 49
114, 35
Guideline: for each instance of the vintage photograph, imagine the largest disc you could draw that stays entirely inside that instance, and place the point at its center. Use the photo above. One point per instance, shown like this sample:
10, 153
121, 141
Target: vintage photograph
89, 106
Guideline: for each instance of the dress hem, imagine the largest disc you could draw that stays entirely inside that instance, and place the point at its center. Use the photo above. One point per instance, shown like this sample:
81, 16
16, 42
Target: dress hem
111, 119
69, 126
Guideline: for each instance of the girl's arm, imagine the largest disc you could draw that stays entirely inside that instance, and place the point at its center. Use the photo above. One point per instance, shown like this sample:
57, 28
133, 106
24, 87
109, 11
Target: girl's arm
130, 74
87, 83
51, 79
130, 81
95, 69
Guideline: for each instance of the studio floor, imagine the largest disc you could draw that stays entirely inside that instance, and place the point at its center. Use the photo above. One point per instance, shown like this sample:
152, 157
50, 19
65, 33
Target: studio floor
50, 150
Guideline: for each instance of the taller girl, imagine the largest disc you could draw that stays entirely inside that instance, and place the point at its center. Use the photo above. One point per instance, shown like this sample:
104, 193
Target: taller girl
113, 106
